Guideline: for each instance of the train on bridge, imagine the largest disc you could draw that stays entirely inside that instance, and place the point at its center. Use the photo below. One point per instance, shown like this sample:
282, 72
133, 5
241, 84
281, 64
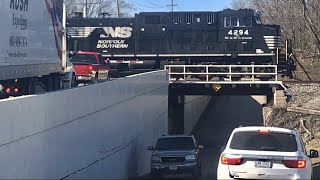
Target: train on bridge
153, 39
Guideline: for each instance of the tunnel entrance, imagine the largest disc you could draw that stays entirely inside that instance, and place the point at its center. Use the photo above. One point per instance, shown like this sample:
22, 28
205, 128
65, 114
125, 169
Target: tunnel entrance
184, 99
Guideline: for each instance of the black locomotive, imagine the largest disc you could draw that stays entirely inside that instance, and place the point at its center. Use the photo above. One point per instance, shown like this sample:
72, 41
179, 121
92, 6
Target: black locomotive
152, 38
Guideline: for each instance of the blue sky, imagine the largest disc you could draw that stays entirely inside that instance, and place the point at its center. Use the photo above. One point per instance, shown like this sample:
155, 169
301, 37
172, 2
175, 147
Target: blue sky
182, 5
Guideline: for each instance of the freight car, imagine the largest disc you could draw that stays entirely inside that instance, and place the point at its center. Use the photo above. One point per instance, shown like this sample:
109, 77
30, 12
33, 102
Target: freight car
152, 39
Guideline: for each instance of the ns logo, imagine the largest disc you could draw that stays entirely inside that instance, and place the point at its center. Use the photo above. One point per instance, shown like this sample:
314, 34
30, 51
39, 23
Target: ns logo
117, 32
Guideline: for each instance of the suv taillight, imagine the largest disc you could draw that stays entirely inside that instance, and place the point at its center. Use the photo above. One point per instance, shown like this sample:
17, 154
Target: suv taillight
230, 160
294, 163
90, 68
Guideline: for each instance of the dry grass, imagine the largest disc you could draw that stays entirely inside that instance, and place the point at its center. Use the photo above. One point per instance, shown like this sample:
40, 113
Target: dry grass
314, 144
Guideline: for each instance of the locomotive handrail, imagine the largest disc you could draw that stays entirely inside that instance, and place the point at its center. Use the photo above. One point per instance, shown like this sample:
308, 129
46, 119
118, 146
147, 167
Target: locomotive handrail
242, 74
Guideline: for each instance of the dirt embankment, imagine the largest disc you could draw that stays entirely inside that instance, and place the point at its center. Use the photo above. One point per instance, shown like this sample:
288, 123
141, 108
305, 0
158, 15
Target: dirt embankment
305, 97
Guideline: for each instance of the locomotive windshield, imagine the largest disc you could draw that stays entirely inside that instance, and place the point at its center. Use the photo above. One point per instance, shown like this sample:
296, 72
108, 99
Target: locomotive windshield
257, 16
238, 21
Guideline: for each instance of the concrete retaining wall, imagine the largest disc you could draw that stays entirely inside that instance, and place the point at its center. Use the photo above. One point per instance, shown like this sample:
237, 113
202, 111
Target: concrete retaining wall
193, 108
102, 129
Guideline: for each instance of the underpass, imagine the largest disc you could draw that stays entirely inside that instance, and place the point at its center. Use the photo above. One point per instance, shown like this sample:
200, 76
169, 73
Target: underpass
220, 116
103, 130
223, 115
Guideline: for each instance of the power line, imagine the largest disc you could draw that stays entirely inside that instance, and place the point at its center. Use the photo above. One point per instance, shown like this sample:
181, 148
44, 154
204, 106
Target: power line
152, 3
134, 2
179, 8
172, 5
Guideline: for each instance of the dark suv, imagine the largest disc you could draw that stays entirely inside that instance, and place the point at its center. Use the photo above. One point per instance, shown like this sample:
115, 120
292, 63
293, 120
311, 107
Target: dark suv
177, 154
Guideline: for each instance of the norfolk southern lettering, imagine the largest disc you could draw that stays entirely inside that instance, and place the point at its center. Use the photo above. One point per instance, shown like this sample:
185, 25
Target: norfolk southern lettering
21, 5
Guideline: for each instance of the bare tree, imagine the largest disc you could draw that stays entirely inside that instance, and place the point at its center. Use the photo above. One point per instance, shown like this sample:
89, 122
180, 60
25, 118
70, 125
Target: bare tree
299, 20
240, 4
96, 7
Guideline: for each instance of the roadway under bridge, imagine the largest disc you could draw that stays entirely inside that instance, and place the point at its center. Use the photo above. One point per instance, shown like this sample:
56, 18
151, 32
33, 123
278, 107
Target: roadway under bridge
102, 131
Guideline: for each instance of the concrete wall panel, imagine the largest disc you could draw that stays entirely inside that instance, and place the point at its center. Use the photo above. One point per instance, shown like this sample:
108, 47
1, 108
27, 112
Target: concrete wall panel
193, 109
103, 128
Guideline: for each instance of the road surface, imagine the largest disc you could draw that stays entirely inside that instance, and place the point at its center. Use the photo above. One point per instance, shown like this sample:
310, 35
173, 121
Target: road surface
223, 114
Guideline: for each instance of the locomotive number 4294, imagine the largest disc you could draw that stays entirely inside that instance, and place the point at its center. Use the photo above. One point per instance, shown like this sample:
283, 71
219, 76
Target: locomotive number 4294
238, 32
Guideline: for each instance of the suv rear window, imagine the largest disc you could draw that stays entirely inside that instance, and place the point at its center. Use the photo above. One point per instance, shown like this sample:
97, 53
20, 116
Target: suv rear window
272, 141
175, 143
84, 58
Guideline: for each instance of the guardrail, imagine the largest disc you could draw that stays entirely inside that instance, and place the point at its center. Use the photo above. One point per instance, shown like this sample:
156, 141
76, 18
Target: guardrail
222, 73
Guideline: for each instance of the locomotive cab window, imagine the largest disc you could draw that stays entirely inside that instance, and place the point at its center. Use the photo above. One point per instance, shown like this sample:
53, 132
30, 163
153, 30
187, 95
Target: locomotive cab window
237, 22
257, 16
245, 22
258, 20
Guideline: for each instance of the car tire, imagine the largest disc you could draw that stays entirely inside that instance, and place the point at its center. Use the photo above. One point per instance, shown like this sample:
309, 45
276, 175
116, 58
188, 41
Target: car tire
196, 174
95, 80
156, 175
73, 81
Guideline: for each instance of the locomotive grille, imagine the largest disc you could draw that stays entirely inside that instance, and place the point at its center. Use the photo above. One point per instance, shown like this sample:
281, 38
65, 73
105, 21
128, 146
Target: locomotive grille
273, 42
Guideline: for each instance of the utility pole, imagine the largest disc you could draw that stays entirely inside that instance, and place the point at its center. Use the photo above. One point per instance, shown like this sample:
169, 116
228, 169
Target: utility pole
171, 5
85, 8
118, 8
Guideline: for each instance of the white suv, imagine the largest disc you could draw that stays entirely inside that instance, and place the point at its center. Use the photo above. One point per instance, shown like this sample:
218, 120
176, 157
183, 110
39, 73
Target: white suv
265, 153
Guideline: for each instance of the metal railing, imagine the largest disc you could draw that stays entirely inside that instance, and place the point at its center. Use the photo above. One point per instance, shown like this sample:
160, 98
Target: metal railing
261, 74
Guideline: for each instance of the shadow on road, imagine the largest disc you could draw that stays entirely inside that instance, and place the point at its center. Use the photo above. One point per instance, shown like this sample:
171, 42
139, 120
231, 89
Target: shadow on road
223, 115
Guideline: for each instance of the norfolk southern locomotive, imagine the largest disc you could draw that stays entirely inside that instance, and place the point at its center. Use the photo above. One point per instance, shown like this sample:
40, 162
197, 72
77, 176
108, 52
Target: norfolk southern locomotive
151, 39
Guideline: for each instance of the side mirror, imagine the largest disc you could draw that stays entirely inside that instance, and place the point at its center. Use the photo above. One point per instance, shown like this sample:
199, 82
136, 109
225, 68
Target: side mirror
314, 154
200, 146
150, 148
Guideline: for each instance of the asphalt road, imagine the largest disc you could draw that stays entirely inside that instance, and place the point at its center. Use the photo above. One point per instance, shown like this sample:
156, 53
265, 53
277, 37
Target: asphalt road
222, 115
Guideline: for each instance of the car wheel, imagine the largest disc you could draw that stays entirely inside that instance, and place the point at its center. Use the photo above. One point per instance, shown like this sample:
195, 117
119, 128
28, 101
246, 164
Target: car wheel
196, 173
95, 80
73, 81
156, 175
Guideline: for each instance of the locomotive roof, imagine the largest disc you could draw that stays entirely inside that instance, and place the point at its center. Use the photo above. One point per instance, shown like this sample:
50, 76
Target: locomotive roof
237, 11
225, 11
79, 21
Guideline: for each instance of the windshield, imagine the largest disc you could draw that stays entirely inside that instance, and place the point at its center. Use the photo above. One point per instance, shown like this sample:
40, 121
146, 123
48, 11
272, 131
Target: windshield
258, 17
271, 141
175, 143
84, 58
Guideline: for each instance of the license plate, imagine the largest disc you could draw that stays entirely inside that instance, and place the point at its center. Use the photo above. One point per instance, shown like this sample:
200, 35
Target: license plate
173, 168
263, 164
